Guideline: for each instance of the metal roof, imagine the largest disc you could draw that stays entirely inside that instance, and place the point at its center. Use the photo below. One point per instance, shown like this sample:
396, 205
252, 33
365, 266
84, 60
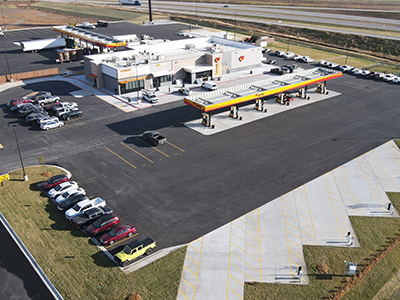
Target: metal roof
250, 91
90, 36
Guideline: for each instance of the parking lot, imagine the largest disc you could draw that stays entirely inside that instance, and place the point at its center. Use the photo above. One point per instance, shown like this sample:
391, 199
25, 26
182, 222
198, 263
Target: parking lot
194, 184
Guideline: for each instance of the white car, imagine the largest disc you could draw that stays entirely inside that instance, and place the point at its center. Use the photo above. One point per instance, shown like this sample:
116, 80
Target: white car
297, 57
51, 125
288, 54
396, 79
357, 71
81, 206
150, 96
388, 77
279, 53
68, 193
365, 73
46, 119
69, 105
61, 188
307, 59
345, 68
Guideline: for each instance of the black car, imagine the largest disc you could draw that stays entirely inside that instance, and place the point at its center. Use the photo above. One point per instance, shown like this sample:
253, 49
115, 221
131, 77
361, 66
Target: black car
76, 113
89, 216
277, 71
71, 201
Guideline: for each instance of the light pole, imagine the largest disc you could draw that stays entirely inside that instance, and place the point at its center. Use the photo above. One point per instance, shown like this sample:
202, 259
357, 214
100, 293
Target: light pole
234, 38
13, 125
137, 77
8, 65
76, 13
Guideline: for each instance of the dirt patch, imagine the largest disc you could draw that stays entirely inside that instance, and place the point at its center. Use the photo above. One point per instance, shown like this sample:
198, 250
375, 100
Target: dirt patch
18, 16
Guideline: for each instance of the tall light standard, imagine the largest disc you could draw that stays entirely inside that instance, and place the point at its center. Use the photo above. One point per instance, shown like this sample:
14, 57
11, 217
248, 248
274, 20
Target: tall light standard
13, 125
234, 38
137, 77
8, 65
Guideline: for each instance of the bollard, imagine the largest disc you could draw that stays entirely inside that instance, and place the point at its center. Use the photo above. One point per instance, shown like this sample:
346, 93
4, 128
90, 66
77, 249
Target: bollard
300, 273
349, 239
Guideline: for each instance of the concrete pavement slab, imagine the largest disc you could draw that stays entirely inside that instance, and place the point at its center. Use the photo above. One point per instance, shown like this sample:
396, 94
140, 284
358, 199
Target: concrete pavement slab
266, 244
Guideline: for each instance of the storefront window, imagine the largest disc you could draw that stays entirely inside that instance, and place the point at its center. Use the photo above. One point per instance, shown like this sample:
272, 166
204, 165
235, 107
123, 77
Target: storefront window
132, 86
204, 74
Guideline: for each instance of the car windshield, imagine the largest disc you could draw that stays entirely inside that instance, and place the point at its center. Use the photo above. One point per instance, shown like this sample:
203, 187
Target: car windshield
112, 232
97, 223
65, 195
58, 187
76, 207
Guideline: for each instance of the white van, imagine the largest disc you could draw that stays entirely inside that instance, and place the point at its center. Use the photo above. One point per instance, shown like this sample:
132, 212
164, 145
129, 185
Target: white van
209, 86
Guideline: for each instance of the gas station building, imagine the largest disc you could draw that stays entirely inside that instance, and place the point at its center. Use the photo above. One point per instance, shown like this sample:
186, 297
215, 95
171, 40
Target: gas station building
155, 63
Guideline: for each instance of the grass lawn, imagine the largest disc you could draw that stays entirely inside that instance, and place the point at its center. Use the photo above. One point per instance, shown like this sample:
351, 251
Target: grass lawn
76, 267
372, 234
92, 12
339, 58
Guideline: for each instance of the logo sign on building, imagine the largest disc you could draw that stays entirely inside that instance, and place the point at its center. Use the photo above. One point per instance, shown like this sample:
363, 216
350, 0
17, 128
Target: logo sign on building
241, 58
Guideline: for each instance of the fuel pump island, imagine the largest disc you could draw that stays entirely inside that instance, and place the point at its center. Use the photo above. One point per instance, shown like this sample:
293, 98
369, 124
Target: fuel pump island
258, 91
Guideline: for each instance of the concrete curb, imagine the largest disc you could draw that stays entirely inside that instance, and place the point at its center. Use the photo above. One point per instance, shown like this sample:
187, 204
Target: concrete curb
30, 258
146, 260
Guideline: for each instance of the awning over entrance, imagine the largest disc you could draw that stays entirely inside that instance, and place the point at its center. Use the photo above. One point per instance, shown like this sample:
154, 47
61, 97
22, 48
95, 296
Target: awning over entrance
90, 36
198, 69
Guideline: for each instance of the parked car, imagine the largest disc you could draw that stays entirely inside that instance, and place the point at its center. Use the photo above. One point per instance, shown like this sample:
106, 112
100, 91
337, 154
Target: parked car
365, 73
47, 99
270, 61
379, 76
154, 137
81, 206
69, 193
288, 54
61, 188
396, 79
276, 71
118, 233
53, 181
185, 91
39, 94
388, 78
45, 119
307, 59
89, 216
69, 105
26, 110
279, 53
285, 70
31, 96
63, 110
267, 50
71, 201
14, 103
52, 106
345, 68
36, 115
150, 96
75, 113
51, 125
102, 224
297, 57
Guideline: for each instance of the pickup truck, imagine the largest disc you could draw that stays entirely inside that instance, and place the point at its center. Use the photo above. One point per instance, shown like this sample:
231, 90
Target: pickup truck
84, 205
89, 216
47, 99
134, 250
154, 137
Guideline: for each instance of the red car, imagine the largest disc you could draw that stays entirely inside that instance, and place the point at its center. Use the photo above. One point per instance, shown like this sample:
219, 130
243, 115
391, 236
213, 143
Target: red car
102, 224
16, 101
118, 233
54, 181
